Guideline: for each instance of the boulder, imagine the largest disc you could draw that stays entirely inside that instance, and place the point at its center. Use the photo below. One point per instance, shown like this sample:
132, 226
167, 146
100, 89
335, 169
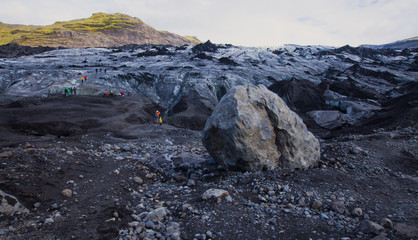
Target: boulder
406, 231
252, 129
368, 226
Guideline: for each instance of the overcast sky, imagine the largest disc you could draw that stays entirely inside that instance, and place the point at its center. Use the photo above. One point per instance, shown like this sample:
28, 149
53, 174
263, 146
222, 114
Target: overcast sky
243, 22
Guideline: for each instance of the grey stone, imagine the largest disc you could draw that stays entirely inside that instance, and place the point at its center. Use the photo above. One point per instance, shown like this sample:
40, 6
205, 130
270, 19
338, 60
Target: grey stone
386, 222
158, 214
317, 204
368, 226
406, 231
357, 212
67, 192
175, 236
6, 154
149, 224
253, 129
214, 193
339, 207
329, 119
138, 180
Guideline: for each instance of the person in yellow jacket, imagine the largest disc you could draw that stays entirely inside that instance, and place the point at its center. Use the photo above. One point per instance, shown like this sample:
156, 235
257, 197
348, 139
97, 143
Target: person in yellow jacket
160, 120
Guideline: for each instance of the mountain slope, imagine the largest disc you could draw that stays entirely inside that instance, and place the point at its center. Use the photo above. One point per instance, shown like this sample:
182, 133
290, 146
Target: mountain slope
99, 30
406, 43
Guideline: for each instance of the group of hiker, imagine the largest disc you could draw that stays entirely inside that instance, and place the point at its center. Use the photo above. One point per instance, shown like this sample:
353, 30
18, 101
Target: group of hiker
113, 94
100, 70
158, 118
70, 91
83, 79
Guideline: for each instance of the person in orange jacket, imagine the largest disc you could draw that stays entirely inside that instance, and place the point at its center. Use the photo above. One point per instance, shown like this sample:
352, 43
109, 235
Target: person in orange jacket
157, 115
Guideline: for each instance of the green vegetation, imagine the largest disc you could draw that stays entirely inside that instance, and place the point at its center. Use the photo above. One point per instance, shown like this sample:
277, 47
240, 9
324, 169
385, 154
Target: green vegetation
193, 39
47, 35
100, 22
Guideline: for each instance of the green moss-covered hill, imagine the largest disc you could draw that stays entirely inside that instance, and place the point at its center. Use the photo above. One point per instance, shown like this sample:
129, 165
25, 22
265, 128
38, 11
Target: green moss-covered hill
99, 30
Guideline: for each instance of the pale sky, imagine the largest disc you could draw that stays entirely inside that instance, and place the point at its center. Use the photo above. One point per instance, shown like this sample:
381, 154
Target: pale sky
243, 22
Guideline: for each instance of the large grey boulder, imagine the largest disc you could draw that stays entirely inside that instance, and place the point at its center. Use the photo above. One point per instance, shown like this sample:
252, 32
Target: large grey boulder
252, 129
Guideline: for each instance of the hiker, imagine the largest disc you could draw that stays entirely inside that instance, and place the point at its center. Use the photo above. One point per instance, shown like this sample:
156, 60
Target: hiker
105, 94
105, 70
129, 93
121, 93
71, 90
68, 92
75, 91
82, 79
85, 78
65, 92
160, 120
96, 70
157, 115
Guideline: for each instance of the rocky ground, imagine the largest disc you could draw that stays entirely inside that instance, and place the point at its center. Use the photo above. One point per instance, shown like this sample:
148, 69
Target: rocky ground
93, 168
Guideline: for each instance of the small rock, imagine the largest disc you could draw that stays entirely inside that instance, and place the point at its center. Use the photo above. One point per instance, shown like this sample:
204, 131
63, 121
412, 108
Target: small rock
339, 207
49, 221
191, 183
357, 212
69, 152
386, 222
149, 224
186, 206
317, 204
175, 236
5, 154
368, 226
309, 194
179, 178
158, 214
286, 188
214, 193
200, 236
301, 201
67, 192
138, 180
